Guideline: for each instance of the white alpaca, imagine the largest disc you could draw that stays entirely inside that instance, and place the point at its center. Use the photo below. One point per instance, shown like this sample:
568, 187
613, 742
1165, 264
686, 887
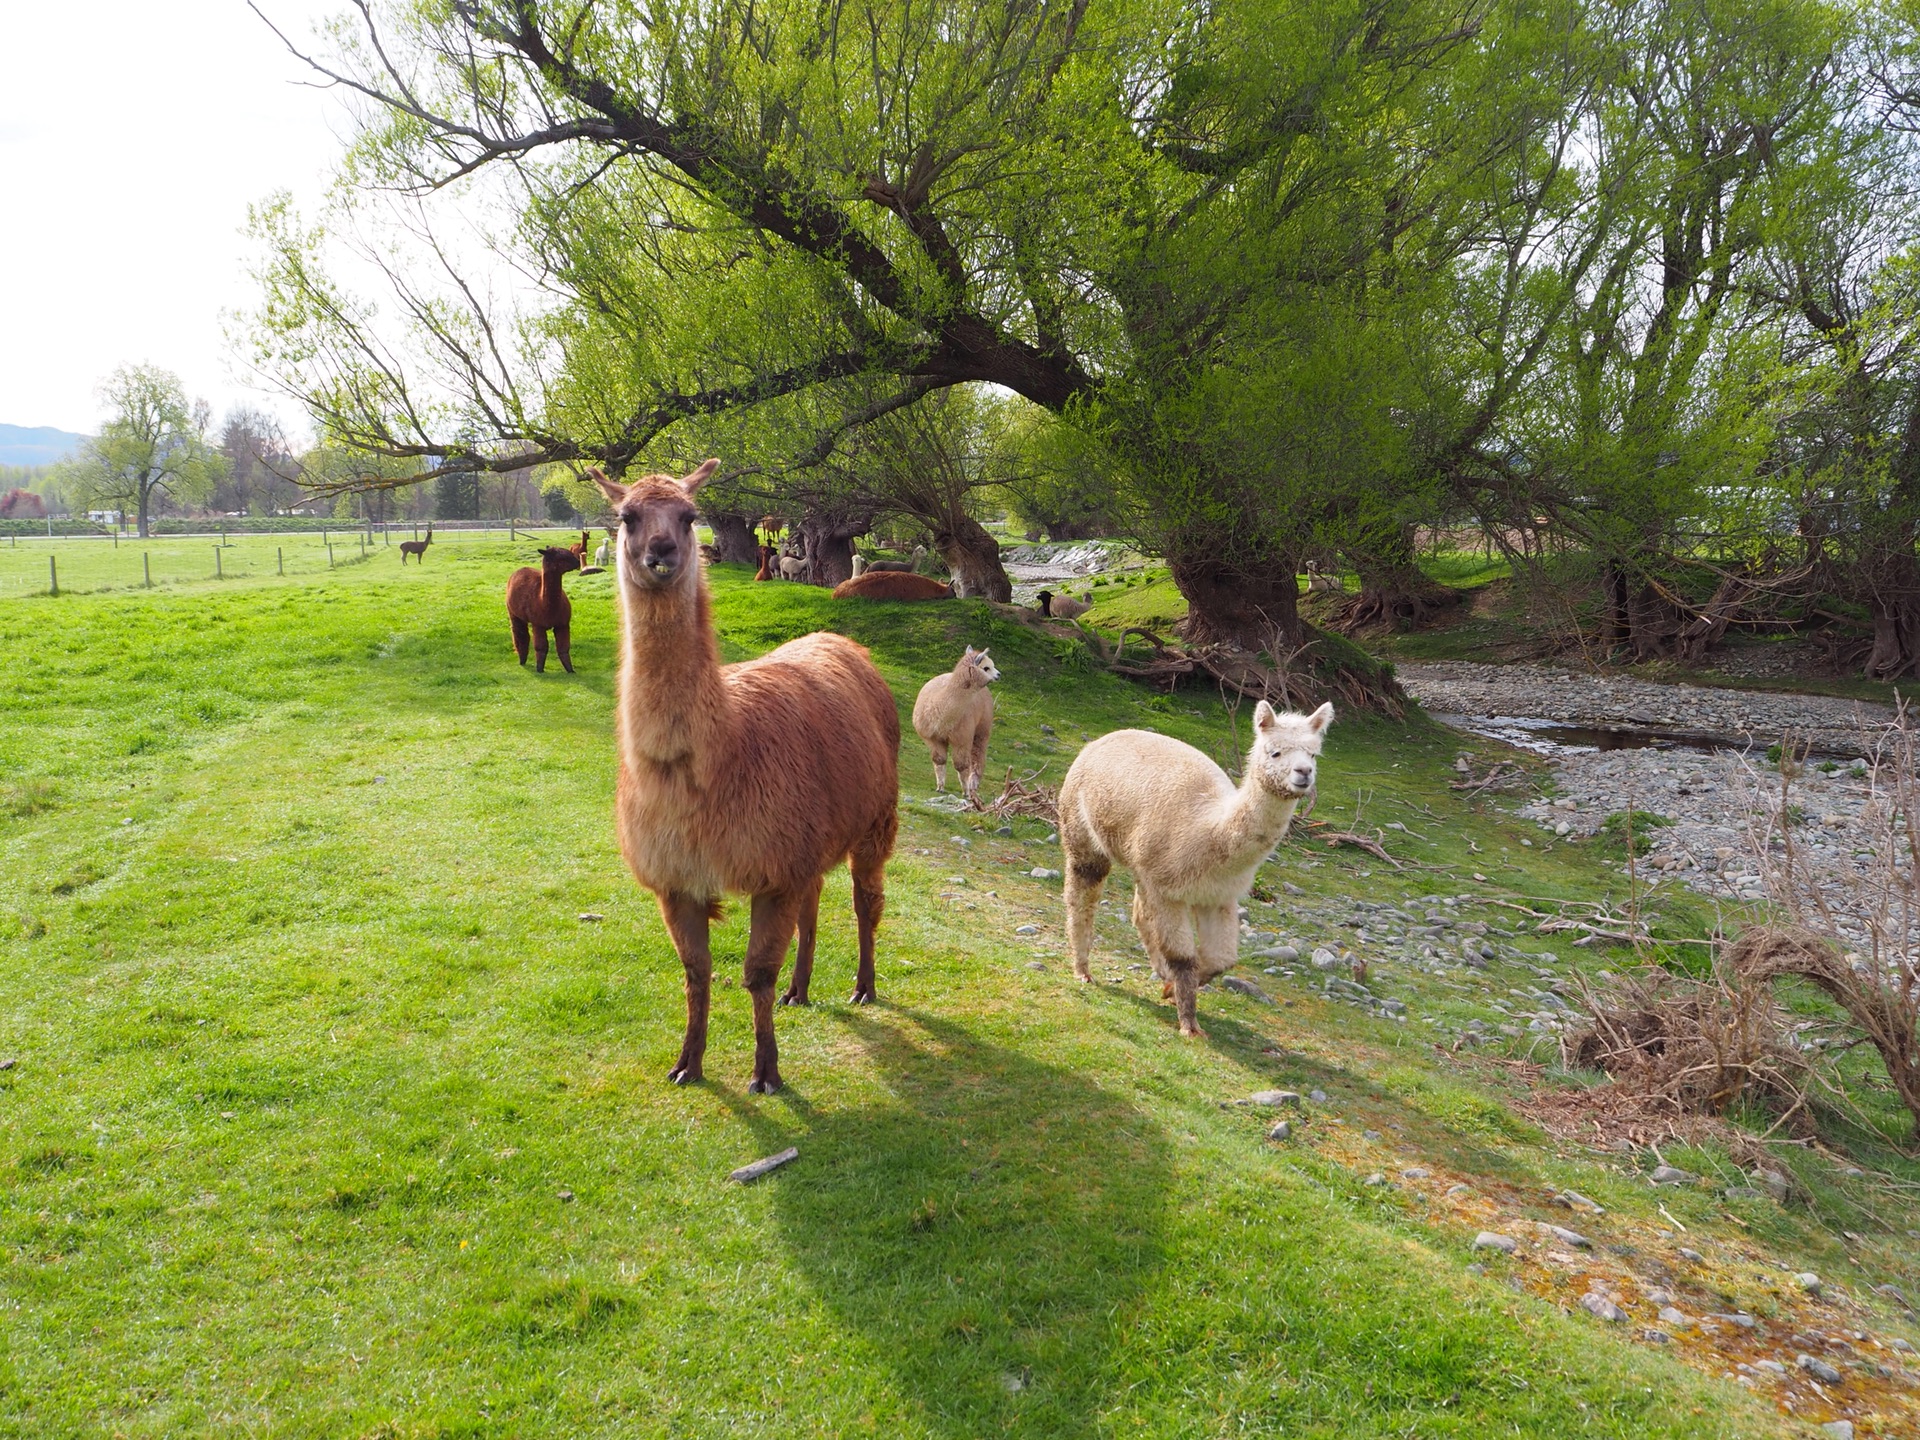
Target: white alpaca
600, 555
1192, 839
955, 712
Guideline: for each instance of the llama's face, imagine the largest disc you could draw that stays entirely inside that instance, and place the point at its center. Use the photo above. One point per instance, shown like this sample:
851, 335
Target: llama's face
1286, 748
656, 516
981, 663
556, 557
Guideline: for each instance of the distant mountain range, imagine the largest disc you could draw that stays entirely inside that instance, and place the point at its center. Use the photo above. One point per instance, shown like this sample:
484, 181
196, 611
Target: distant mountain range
36, 444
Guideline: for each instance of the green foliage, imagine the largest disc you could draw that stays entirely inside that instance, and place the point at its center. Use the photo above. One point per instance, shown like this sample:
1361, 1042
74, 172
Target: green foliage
1631, 831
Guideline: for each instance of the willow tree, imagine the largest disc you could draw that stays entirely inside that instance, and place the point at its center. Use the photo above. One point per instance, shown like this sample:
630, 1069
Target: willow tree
1135, 216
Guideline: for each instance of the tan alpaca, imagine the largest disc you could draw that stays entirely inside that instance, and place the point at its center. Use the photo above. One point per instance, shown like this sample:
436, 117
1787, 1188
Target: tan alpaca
955, 712
1192, 839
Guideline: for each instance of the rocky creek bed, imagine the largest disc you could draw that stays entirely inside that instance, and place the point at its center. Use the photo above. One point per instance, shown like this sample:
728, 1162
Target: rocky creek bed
1711, 797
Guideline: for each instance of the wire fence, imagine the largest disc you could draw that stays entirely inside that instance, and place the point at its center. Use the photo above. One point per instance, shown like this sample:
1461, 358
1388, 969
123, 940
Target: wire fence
91, 564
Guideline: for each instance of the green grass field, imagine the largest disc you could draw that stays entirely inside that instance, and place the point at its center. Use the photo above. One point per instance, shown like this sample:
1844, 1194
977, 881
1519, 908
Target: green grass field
330, 1115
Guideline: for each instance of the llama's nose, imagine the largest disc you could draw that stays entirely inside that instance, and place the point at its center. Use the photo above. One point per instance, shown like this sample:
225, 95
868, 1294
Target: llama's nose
1303, 777
662, 556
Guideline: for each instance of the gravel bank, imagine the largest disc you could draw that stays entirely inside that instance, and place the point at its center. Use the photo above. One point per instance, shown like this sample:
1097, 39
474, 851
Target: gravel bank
1567, 697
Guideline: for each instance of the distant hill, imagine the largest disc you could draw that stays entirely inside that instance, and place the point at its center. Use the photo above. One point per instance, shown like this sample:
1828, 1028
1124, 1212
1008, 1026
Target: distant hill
36, 444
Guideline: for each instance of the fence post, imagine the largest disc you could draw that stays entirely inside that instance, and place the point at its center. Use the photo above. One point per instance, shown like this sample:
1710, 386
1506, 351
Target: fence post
280, 558
329, 552
53, 575
116, 539
218, 573
513, 529
146, 568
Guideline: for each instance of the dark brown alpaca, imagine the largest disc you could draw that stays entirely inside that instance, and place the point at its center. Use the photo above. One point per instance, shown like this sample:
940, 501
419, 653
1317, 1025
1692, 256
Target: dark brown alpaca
891, 585
416, 548
755, 778
581, 549
767, 557
537, 602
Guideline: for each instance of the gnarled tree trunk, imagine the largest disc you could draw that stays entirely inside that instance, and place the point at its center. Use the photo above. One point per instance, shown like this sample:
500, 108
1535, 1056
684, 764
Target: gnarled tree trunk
829, 546
973, 558
1227, 606
733, 537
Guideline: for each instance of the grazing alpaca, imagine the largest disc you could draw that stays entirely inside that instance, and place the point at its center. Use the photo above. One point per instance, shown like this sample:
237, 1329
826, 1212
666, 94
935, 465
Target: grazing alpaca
537, 602
757, 777
891, 585
955, 712
792, 567
1192, 840
1062, 607
416, 548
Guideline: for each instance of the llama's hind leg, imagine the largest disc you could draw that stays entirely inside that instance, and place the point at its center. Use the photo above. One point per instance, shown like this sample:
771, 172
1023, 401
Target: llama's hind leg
976, 762
809, 925
1086, 878
521, 639
770, 933
687, 918
869, 866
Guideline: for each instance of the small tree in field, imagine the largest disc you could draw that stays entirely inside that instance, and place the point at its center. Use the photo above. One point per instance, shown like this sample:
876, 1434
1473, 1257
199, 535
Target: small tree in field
153, 445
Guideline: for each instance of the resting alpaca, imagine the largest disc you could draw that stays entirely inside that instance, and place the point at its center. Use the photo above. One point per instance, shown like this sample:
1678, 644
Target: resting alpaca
1061, 607
1192, 840
955, 711
891, 585
537, 602
758, 777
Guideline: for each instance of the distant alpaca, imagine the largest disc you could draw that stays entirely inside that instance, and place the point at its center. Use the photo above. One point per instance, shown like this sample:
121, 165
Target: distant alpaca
767, 557
905, 567
600, 555
537, 602
757, 777
792, 567
1192, 840
580, 550
417, 548
1062, 607
859, 565
892, 585
955, 711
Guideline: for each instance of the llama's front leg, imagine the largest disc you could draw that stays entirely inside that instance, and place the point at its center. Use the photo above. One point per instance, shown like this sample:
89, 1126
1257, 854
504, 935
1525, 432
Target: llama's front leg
687, 918
1216, 939
768, 936
976, 763
563, 642
1086, 877
939, 749
539, 650
809, 925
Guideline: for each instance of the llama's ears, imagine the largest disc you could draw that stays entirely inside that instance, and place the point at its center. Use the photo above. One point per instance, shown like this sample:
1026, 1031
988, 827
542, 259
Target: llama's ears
1321, 718
612, 489
699, 477
1263, 717
971, 653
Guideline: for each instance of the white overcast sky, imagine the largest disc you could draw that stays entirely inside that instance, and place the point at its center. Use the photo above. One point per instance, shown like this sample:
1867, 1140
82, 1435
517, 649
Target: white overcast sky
133, 136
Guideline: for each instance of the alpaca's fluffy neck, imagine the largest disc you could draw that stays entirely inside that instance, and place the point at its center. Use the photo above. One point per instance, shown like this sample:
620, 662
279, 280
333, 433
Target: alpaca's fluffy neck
1252, 822
673, 703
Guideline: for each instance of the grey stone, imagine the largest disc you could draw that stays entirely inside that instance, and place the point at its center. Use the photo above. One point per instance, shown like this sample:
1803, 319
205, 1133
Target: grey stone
1488, 1240
1598, 1305
1694, 1255
1369, 1134
1772, 1367
1375, 1179
1036, 966
1247, 988
1819, 1369
1808, 1281
1679, 1319
1893, 1292
1673, 1175
1570, 1237
1903, 1346
1743, 1192
1319, 1097
1283, 953
1040, 872
1282, 1130
1324, 959
1738, 1317
1026, 929
1476, 1269
1274, 1097
566, 1197
1415, 1172
1839, 1429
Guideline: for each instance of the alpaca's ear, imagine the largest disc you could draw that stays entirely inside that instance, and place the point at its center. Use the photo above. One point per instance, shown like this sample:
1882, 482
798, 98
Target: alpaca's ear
612, 489
699, 477
1263, 717
1321, 718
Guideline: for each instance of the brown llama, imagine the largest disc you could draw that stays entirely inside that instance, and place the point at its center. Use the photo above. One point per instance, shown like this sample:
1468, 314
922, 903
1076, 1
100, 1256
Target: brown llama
767, 557
892, 585
580, 549
417, 548
754, 778
537, 603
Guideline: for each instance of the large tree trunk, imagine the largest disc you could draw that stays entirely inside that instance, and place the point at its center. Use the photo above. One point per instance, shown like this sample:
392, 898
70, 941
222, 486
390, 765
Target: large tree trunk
973, 558
1060, 532
829, 546
1894, 605
143, 513
1395, 594
1226, 606
733, 537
